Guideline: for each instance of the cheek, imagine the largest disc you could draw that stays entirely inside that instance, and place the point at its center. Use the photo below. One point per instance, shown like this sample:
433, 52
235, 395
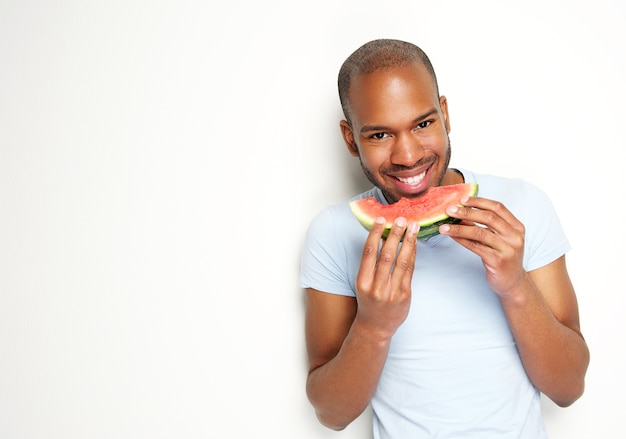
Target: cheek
436, 143
374, 159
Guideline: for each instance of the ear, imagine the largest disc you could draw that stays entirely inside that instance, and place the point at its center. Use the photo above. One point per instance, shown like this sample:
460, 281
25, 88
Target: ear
348, 138
443, 103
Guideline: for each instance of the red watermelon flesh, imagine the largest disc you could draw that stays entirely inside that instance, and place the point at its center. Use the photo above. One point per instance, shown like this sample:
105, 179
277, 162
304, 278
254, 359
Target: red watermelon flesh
429, 210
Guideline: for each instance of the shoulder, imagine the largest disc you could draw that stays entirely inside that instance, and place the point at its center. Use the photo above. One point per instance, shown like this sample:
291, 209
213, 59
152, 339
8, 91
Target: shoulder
340, 215
511, 191
335, 227
545, 239
332, 249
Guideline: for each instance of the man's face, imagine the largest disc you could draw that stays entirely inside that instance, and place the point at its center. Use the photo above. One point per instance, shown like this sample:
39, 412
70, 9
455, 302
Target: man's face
399, 130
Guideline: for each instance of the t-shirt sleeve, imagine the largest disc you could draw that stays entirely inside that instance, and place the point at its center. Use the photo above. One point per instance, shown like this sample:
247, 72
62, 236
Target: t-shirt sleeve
545, 237
324, 265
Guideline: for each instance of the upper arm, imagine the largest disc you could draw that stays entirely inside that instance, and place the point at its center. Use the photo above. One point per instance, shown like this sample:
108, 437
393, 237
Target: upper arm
554, 283
327, 323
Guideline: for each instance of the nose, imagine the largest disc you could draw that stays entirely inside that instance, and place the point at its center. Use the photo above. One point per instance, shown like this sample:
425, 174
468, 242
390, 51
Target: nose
407, 150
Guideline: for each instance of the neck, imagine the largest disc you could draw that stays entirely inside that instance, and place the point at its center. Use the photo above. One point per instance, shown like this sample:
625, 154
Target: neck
452, 176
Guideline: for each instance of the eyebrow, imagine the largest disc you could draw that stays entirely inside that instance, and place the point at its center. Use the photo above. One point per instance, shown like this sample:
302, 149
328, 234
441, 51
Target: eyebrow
368, 128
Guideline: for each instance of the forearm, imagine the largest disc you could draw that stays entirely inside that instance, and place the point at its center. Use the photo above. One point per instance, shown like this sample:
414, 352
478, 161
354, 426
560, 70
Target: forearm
342, 388
554, 355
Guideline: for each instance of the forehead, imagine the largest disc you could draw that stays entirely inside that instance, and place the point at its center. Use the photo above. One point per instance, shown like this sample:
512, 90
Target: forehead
410, 89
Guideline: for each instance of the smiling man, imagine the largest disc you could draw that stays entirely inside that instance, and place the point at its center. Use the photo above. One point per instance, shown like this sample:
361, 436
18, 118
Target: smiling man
454, 336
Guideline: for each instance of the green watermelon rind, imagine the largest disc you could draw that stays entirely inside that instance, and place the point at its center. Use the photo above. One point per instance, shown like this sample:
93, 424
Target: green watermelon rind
428, 227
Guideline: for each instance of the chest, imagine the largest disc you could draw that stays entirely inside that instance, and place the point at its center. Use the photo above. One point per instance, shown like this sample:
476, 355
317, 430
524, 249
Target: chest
452, 306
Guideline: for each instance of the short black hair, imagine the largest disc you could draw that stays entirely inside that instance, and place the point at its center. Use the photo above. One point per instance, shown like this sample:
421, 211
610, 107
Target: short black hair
376, 55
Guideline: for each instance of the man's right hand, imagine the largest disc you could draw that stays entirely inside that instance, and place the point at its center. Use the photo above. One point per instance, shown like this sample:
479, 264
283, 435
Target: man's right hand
384, 280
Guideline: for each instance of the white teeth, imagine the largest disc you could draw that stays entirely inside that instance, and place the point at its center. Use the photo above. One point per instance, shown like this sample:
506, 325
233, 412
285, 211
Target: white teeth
413, 180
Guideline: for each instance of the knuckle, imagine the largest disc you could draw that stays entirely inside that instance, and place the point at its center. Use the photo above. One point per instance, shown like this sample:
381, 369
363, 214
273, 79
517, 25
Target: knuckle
498, 206
368, 250
473, 245
491, 216
481, 233
463, 212
386, 257
405, 266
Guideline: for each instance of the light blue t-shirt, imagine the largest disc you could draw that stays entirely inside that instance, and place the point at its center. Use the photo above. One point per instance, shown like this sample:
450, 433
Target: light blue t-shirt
453, 370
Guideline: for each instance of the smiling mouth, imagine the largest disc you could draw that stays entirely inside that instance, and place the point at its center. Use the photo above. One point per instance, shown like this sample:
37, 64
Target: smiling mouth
414, 180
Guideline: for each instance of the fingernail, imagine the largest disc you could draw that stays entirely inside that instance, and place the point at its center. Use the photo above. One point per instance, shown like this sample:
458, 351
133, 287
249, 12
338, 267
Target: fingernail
413, 227
380, 220
452, 209
401, 221
444, 228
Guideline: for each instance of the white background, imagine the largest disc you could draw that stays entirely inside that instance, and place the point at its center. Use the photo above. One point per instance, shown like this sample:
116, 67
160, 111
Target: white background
161, 160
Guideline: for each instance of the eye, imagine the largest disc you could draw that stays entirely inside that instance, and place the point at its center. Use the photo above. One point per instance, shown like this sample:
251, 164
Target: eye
424, 124
378, 136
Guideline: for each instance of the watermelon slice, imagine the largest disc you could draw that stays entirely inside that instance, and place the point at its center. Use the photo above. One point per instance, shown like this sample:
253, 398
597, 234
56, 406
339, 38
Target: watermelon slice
429, 210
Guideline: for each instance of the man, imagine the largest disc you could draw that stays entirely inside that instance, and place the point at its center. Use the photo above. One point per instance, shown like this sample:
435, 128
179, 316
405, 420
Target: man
455, 336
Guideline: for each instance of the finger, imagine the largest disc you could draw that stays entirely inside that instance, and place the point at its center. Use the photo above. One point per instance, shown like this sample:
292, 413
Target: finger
387, 258
370, 252
470, 216
479, 239
390, 247
405, 261
491, 213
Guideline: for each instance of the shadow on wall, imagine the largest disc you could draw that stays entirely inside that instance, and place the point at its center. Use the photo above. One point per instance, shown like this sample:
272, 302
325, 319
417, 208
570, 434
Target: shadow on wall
357, 181
343, 177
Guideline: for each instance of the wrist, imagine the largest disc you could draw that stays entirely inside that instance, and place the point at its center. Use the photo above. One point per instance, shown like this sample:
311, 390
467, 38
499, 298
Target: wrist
371, 333
517, 291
